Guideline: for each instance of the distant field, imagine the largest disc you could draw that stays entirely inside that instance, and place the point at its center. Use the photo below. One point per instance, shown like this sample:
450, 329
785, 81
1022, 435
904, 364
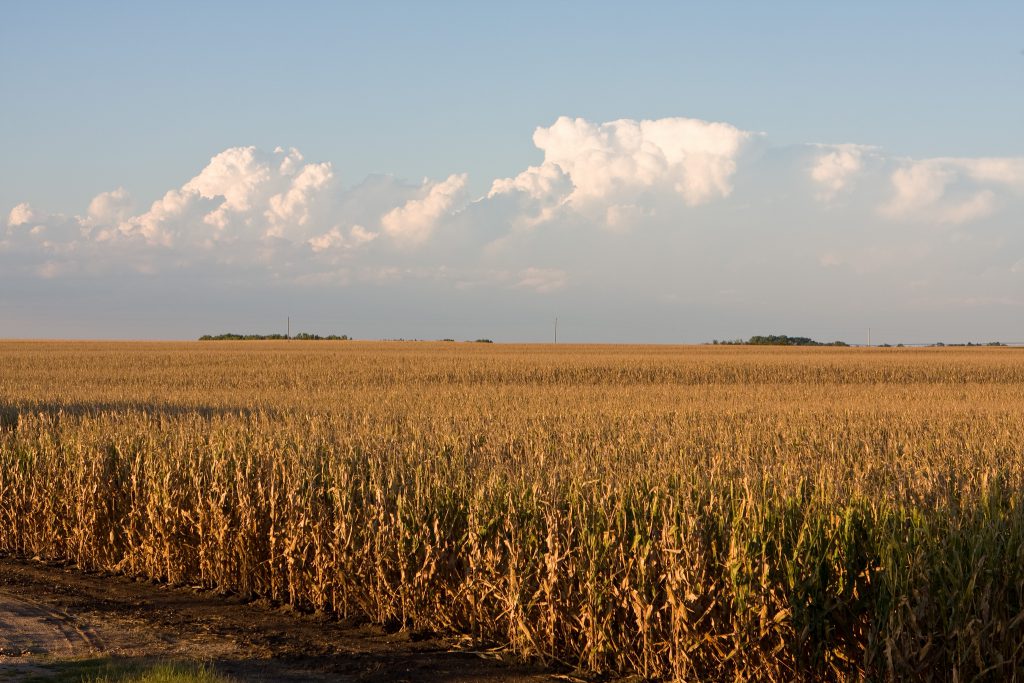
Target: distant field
678, 512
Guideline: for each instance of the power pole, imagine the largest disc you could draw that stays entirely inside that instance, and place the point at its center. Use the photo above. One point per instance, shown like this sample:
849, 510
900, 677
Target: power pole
556, 329
869, 336
288, 335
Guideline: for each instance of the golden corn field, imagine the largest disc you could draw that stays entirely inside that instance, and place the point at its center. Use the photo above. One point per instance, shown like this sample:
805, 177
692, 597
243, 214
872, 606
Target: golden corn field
681, 513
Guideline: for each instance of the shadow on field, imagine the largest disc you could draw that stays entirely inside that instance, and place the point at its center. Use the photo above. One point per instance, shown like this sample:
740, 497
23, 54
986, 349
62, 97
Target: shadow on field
10, 414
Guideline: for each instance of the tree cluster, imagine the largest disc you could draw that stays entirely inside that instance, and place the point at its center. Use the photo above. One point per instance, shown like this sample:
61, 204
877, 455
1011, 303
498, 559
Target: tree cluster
301, 336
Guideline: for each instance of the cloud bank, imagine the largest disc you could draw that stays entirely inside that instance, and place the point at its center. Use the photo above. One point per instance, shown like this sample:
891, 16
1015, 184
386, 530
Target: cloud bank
651, 210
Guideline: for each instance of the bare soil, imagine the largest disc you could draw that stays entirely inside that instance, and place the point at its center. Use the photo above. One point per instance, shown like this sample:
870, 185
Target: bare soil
52, 617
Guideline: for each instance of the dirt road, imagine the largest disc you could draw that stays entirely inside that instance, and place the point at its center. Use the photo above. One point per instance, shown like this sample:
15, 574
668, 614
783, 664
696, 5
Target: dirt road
50, 616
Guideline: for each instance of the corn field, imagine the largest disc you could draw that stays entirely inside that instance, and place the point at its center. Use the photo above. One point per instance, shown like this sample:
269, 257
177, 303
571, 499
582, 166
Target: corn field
680, 513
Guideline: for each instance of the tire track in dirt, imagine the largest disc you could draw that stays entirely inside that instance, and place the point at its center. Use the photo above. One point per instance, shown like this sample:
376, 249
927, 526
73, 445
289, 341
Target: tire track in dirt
28, 628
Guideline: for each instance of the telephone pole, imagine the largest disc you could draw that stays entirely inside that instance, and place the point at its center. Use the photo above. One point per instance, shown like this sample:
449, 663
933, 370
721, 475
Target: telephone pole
869, 336
556, 329
288, 335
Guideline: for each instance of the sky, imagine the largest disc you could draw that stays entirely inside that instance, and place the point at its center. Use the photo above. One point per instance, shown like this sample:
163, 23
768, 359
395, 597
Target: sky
662, 173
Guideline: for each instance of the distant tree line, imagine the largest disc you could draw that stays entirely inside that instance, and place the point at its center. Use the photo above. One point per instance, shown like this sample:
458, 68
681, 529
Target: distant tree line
783, 340
995, 343
780, 340
301, 336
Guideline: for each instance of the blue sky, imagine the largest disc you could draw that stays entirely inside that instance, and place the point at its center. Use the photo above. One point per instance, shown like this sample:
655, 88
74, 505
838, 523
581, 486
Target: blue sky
141, 96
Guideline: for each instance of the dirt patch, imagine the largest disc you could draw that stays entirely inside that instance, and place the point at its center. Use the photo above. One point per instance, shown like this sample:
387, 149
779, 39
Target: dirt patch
51, 615
30, 628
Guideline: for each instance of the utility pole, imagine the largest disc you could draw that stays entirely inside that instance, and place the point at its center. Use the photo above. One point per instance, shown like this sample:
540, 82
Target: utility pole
556, 329
288, 335
869, 336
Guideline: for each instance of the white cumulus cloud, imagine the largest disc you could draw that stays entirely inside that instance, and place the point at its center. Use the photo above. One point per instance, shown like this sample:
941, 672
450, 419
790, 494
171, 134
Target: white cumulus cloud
836, 167
235, 175
240, 194
292, 207
108, 208
335, 238
414, 221
617, 161
245, 209
21, 214
952, 190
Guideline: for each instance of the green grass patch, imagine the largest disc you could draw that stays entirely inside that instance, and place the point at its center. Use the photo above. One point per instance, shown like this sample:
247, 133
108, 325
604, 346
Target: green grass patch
109, 670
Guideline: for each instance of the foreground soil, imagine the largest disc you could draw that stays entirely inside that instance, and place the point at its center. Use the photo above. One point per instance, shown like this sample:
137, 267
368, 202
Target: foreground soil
56, 621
